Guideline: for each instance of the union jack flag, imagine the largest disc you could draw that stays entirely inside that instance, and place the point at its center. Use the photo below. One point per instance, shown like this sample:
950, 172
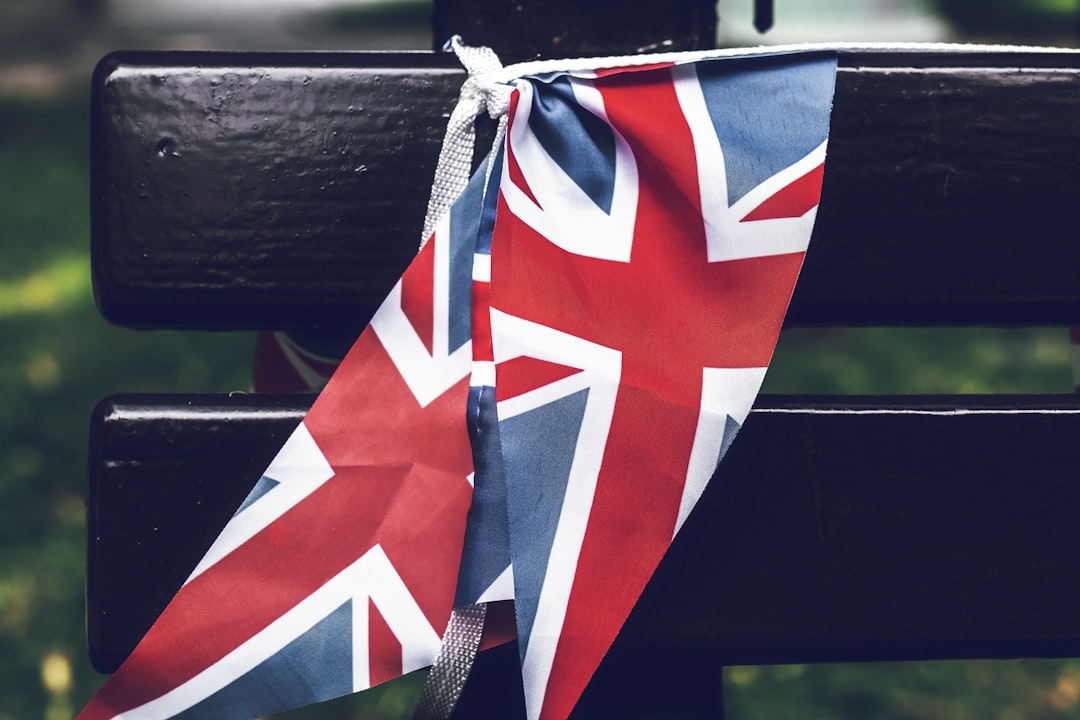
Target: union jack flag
650, 229
587, 329
338, 570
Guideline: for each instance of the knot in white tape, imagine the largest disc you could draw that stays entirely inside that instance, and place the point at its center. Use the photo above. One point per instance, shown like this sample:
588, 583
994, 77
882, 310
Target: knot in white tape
482, 91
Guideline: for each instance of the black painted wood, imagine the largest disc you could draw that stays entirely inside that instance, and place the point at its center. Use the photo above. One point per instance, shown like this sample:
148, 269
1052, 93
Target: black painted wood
844, 528
637, 683
166, 473
288, 190
570, 28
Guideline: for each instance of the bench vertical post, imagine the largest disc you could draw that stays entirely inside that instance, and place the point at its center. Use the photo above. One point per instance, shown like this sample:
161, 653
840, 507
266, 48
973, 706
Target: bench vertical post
570, 28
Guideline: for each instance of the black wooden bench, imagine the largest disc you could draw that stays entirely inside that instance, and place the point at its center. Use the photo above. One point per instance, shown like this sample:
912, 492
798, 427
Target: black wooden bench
263, 190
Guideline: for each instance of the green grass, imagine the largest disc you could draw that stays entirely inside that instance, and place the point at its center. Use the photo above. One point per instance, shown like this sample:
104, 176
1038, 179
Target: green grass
921, 360
982, 690
58, 358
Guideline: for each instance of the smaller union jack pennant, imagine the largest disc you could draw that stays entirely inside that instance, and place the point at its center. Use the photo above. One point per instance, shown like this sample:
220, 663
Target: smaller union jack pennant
650, 229
536, 408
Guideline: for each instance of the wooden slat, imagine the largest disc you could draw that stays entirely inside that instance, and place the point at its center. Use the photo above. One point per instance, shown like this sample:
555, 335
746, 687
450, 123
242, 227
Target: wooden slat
287, 190
165, 475
842, 528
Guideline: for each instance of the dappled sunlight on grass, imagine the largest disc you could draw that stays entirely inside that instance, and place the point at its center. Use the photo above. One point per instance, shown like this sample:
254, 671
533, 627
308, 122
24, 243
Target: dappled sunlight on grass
17, 591
56, 677
58, 357
53, 288
1066, 692
56, 673
42, 371
969, 690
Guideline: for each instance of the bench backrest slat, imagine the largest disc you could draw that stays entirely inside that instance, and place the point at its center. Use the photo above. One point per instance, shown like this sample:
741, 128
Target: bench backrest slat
842, 529
283, 190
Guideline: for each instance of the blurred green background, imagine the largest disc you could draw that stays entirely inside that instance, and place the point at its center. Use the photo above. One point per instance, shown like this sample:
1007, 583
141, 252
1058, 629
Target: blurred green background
58, 358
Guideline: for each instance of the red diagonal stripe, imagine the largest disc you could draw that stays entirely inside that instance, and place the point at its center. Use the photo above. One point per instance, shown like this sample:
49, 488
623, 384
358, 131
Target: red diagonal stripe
481, 322
383, 665
524, 374
792, 201
418, 293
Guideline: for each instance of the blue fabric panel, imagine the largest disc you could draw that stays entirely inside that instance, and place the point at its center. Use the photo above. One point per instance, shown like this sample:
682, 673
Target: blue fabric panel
767, 118
539, 449
316, 666
491, 204
487, 537
464, 226
731, 429
263, 486
581, 144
